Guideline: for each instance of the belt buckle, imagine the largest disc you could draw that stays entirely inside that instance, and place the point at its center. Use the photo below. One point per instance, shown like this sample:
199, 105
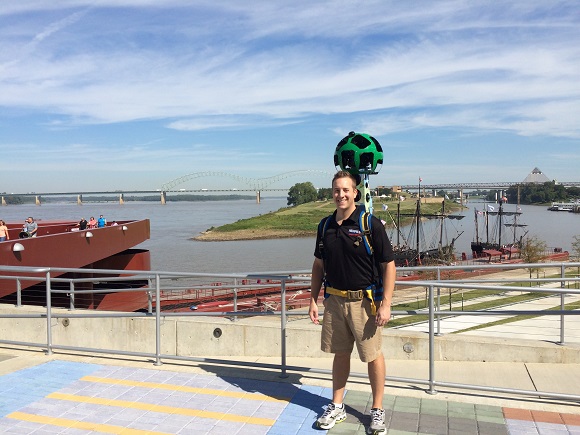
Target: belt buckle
354, 294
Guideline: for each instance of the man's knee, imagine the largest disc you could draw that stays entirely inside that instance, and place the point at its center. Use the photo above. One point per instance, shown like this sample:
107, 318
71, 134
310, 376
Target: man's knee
378, 359
342, 357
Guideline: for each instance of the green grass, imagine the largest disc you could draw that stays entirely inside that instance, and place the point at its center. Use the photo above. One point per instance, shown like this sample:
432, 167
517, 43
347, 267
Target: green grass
486, 305
304, 218
570, 306
301, 218
455, 298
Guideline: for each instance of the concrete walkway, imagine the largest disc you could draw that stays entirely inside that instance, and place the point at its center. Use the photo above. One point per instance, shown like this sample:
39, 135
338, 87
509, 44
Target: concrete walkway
70, 394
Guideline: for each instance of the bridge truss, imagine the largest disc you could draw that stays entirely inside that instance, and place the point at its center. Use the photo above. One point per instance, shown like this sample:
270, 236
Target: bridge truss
476, 186
255, 184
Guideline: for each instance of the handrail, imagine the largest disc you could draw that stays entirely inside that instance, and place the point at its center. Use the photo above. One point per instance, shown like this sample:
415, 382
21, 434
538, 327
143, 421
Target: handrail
286, 279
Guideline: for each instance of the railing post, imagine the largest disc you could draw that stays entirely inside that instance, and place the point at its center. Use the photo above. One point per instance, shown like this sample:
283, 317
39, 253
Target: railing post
283, 373
431, 342
157, 320
438, 302
149, 298
18, 293
71, 286
562, 304
48, 316
235, 298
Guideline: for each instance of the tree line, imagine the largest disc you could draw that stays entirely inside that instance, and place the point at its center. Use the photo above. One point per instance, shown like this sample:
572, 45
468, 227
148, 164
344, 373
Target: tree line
531, 193
301, 193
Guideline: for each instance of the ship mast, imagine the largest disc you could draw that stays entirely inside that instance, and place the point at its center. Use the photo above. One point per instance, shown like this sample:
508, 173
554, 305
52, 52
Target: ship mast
399, 222
476, 225
441, 223
516, 216
500, 213
418, 216
486, 225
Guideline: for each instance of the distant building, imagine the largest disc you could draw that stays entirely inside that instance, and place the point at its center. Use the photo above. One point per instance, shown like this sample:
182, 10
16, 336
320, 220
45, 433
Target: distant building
536, 177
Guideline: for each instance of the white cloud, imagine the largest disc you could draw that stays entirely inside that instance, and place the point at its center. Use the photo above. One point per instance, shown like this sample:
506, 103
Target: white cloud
386, 67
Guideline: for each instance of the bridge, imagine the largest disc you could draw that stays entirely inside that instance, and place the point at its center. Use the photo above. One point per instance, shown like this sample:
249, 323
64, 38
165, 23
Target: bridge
479, 186
259, 185
255, 185
461, 187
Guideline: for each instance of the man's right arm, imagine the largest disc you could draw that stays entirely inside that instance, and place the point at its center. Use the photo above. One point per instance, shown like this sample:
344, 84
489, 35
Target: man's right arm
315, 286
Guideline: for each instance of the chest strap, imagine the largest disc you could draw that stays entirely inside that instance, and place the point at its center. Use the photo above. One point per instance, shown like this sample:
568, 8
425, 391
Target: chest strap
354, 295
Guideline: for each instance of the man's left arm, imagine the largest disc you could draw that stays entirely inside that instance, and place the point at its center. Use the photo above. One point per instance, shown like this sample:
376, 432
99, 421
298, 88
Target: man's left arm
389, 277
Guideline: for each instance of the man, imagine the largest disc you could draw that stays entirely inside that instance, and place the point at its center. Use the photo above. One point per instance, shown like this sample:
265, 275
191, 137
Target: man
82, 224
102, 222
342, 263
30, 227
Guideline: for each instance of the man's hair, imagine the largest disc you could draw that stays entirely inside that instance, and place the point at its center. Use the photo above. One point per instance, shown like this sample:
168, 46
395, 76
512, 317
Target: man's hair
344, 174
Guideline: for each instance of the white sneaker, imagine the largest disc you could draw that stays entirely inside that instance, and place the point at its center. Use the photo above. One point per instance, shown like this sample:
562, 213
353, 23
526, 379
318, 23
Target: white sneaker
377, 425
331, 416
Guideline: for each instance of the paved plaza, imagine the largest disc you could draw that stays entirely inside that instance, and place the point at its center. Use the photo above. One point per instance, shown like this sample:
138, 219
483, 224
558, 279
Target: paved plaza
70, 397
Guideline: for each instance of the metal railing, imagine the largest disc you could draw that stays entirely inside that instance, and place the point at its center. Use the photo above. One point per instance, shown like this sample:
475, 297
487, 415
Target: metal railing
160, 283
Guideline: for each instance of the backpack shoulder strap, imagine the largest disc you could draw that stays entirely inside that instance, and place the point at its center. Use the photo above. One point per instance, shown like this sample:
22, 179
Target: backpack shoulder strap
322, 227
365, 223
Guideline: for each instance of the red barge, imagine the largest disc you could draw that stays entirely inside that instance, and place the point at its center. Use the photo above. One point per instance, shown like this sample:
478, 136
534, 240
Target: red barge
60, 244
256, 297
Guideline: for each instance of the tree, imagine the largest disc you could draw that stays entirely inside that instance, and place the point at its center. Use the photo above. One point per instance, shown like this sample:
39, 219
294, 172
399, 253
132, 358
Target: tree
532, 251
324, 193
302, 193
573, 192
531, 193
18, 200
492, 195
384, 191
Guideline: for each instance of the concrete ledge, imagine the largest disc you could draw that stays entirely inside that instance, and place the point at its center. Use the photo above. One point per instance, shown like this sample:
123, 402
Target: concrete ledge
261, 337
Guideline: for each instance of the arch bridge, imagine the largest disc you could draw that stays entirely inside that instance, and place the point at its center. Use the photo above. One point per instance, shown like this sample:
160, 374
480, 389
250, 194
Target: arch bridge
254, 184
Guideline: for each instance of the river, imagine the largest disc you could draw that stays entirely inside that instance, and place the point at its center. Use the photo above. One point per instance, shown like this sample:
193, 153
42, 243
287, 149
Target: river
174, 224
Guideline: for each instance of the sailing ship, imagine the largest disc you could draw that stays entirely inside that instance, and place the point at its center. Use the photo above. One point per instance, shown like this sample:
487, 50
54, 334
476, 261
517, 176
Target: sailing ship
497, 241
415, 248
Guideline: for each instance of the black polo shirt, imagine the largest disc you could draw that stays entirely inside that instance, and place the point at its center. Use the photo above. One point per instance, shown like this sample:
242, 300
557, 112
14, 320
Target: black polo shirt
347, 264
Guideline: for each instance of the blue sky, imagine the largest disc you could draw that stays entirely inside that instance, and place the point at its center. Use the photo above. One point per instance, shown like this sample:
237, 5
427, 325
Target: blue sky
131, 94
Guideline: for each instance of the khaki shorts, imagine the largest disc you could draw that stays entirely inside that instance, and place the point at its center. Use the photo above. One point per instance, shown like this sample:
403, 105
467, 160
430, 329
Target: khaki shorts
346, 322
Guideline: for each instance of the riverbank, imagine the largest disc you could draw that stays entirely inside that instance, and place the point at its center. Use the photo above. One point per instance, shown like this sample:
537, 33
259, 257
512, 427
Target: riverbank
302, 221
215, 236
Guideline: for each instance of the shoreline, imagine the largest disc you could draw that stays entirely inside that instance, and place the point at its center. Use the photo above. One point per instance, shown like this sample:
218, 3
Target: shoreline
220, 236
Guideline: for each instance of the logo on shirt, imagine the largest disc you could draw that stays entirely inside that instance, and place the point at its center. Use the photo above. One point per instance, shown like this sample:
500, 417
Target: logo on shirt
354, 232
